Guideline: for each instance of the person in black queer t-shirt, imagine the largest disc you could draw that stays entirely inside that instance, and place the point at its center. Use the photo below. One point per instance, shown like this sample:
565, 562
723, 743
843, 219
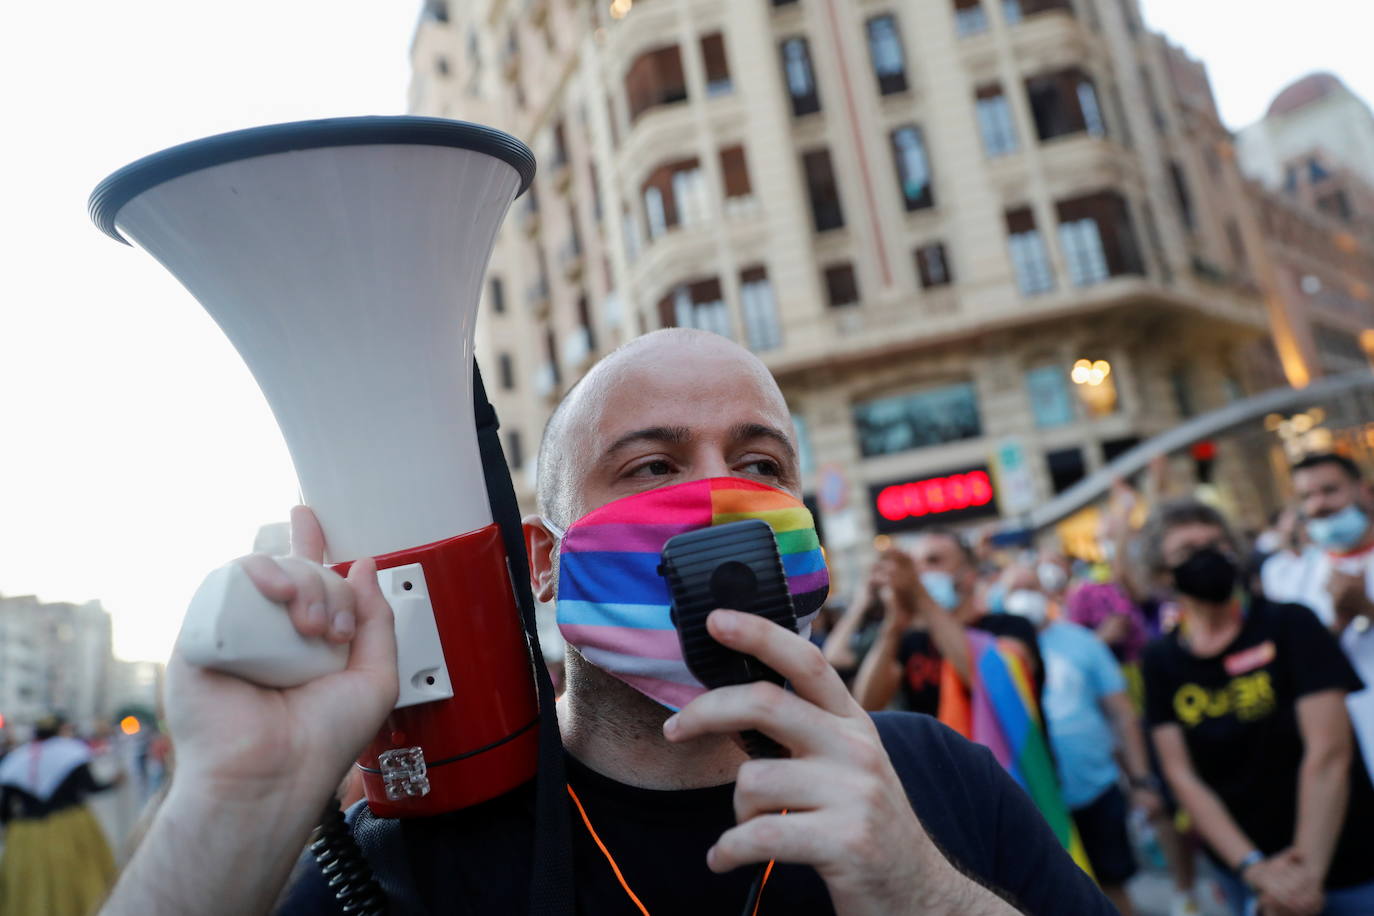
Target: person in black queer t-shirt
1245, 700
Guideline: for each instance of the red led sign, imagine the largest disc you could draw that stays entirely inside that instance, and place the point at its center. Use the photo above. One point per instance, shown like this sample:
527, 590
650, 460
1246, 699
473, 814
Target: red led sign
935, 496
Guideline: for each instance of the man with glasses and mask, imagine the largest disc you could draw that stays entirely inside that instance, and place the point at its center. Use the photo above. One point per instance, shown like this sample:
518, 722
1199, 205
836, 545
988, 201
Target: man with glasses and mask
1333, 572
1245, 700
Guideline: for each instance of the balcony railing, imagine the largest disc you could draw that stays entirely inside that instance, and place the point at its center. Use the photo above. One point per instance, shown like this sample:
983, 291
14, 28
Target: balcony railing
570, 259
577, 348
537, 298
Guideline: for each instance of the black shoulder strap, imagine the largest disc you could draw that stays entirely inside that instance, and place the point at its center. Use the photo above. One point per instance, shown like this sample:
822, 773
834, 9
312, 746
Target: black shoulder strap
381, 839
551, 884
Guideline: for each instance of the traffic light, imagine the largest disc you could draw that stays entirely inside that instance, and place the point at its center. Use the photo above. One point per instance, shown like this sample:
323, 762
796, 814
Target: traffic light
130, 725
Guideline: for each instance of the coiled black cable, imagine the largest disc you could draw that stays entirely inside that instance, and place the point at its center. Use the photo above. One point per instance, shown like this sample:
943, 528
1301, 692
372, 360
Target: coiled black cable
343, 866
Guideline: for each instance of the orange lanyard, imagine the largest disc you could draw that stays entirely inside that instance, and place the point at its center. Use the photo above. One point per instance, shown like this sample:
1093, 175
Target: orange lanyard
619, 876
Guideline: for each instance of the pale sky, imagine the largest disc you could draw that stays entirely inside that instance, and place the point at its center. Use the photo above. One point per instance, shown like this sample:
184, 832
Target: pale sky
136, 453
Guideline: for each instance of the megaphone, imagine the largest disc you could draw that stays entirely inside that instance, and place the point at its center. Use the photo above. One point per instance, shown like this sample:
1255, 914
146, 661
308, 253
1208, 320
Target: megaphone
344, 260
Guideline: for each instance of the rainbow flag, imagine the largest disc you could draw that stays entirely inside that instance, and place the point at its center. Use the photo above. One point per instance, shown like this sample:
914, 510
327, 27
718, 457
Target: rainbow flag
613, 603
999, 711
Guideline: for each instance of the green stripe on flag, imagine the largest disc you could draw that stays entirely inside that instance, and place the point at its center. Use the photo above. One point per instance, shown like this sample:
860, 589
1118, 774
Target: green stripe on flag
798, 541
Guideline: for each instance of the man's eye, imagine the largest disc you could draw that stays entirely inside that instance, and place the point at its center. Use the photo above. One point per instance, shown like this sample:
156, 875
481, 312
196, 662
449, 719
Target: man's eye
655, 468
765, 466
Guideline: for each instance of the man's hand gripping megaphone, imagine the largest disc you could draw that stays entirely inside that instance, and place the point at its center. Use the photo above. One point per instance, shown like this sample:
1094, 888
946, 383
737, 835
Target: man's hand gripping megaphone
291, 745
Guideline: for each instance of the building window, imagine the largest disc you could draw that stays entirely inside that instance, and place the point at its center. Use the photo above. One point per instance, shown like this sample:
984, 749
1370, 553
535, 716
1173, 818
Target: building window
507, 370
1082, 243
1339, 351
1029, 257
560, 145
913, 167
1098, 239
841, 286
801, 78
515, 452
969, 17
1065, 103
1016, 10
584, 320
735, 172
551, 357
1336, 205
823, 190
1182, 197
885, 48
1050, 400
717, 67
1237, 243
995, 122
496, 292
910, 421
630, 229
441, 65
696, 305
675, 194
1181, 385
932, 266
594, 179
1066, 468
761, 328
655, 78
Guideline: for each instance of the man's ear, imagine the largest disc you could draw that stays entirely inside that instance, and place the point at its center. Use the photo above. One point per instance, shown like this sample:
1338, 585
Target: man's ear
542, 548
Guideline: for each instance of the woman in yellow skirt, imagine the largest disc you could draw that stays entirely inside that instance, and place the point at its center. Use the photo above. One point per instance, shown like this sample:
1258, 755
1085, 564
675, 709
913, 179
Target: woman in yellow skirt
57, 861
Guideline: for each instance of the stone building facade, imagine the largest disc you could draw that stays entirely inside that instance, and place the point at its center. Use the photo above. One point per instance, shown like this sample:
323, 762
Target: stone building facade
983, 246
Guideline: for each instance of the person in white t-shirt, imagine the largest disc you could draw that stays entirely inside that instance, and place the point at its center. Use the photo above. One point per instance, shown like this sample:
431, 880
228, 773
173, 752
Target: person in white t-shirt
1334, 573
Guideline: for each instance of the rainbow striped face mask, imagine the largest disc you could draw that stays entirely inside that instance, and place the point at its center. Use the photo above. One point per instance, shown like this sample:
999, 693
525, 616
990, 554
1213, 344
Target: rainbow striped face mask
612, 603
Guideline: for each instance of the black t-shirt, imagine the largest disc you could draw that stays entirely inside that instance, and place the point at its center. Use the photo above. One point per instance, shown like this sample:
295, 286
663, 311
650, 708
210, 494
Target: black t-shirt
1239, 718
921, 662
478, 860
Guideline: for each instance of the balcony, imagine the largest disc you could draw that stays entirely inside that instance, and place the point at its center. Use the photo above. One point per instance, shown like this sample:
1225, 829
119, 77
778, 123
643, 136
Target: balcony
570, 259
537, 298
560, 172
577, 350
546, 381
528, 214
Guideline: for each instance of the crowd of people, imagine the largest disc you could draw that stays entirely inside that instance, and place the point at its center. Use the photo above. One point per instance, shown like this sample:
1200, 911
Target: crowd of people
1187, 684
1205, 689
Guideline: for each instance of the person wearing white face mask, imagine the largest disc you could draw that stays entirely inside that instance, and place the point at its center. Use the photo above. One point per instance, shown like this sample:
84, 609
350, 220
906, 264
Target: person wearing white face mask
1090, 716
1334, 574
928, 607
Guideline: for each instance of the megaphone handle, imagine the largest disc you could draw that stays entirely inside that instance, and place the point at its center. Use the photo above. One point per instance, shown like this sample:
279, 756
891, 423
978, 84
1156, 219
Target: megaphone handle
232, 627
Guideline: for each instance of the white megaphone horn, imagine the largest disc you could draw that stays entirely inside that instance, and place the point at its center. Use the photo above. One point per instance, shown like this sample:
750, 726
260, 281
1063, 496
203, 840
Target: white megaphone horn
344, 259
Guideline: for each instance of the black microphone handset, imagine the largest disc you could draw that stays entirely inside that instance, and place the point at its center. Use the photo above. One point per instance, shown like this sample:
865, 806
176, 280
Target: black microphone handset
735, 566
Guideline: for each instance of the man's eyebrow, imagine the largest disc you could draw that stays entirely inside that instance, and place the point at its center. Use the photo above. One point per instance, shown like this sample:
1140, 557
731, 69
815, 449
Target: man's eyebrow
671, 435
743, 431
